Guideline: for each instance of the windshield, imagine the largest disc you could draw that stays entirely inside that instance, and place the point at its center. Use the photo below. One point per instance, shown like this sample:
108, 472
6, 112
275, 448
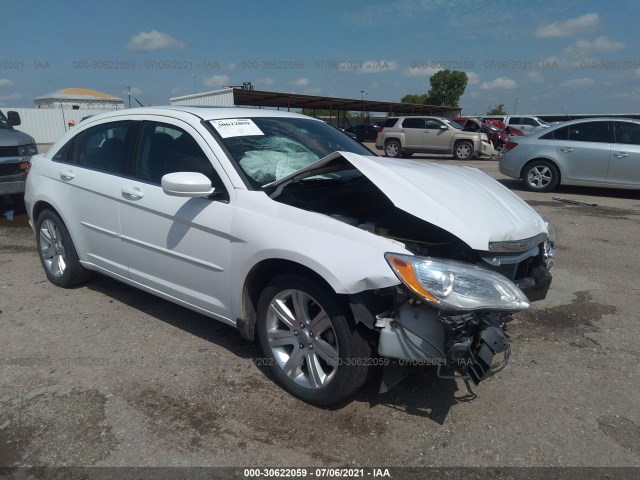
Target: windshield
270, 148
4, 123
452, 123
542, 122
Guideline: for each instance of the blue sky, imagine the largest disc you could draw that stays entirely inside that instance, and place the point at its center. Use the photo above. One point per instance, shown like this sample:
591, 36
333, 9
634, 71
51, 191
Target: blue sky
552, 56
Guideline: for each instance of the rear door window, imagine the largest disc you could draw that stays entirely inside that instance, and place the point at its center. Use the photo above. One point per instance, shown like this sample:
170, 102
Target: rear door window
108, 147
627, 133
589, 132
413, 123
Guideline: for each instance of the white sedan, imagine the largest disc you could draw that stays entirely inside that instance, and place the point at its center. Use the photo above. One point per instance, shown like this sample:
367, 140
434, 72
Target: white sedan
286, 228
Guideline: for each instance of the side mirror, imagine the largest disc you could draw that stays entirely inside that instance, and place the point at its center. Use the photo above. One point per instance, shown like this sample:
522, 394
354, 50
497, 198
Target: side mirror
186, 184
14, 118
443, 127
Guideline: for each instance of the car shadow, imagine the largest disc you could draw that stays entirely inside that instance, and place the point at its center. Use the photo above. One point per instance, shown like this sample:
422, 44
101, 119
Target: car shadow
422, 393
513, 184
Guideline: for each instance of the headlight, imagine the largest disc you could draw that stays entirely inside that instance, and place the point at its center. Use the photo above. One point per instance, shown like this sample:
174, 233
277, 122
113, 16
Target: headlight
27, 150
451, 285
484, 137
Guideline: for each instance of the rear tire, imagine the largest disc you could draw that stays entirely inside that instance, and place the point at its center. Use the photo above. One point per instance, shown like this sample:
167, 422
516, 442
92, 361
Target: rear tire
309, 340
540, 176
392, 149
57, 253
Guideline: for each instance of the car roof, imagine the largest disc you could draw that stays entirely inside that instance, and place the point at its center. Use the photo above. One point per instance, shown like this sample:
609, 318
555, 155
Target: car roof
203, 113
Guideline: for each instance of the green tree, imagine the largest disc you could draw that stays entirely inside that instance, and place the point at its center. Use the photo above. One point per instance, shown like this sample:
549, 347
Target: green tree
411, 98
497, 110
447, 86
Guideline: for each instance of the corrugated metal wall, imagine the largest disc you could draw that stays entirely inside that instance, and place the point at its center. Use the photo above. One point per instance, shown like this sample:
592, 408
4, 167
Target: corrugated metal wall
46, 125
218, 98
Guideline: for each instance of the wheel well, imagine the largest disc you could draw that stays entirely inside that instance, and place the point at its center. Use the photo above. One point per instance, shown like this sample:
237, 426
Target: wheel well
39, 207
460, 140
387, 140
526, 165
255, 282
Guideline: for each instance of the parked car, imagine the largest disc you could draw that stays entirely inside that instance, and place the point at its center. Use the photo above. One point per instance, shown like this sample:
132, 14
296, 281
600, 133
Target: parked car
497, 136
16, 150
526, 123
500, 124
364, 133
595, 151
276, 223
403, 136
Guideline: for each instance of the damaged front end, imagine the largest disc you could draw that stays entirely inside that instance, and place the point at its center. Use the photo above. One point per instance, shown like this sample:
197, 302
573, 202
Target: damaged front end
449, 314
466, 265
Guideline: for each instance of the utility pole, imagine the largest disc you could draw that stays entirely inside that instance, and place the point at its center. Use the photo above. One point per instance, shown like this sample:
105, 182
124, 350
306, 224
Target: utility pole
515, 106
129, 87
363, 93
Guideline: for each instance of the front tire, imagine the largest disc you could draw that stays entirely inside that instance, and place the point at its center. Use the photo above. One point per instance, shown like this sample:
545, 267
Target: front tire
463, 151
310, 342
541, 176
392, 149
57, 253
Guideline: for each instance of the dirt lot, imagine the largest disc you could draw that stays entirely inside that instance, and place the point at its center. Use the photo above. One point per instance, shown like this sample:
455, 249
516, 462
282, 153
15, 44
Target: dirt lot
107, 375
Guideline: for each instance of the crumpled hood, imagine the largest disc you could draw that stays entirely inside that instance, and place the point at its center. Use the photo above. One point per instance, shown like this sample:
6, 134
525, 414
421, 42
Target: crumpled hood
461, 200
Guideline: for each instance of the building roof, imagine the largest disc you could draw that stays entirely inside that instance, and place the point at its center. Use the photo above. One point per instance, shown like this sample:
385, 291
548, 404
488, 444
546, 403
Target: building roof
258, 98
79, 94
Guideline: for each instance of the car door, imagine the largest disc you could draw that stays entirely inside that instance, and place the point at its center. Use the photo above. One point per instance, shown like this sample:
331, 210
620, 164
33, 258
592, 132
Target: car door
624, 165
178, 246
583, 151
89, 169
437, 139
413, 129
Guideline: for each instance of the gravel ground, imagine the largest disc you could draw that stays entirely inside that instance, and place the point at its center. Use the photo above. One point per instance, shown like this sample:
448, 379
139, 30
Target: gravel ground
106, 375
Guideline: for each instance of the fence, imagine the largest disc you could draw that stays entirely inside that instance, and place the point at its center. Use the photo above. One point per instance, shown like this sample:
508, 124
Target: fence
47, 125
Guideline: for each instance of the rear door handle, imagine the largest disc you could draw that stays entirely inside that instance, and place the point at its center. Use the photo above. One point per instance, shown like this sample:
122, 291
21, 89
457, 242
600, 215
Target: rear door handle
66, 174
133, 192
567, 149
621, 155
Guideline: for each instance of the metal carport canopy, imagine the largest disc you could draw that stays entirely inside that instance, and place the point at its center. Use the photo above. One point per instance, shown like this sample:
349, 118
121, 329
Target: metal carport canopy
257, 98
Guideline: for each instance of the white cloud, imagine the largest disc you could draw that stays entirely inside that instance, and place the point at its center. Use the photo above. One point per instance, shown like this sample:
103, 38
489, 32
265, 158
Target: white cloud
578, 82
154, 40
176, 91
312, 91
535, 77
586, 47
378, 66
231, 67
4, 82
586, 23
636, 73
500, 82
473, 78
216, 81
300, 82
420, 72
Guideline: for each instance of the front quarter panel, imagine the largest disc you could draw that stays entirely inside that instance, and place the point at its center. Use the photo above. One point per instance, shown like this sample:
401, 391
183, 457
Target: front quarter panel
349, 259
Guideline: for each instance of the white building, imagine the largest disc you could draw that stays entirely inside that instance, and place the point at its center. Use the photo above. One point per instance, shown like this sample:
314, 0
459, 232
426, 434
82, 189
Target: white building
79, 98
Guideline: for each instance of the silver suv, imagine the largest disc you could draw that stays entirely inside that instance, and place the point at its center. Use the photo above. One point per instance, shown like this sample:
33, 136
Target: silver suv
402, 136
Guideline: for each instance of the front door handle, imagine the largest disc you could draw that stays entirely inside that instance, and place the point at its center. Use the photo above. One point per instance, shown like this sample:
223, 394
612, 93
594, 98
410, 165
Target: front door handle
133, 192
66, 174
567, 149
621, 155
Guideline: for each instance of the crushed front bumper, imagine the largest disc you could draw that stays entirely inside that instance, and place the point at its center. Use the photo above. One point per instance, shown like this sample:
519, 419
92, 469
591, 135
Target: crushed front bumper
467, 344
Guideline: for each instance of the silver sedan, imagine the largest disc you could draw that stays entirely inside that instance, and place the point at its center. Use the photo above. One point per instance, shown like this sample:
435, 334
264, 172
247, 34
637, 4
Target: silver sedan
590, 152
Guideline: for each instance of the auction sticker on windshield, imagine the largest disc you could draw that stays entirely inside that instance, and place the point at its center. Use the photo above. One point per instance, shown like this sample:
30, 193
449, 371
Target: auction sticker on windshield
237, 127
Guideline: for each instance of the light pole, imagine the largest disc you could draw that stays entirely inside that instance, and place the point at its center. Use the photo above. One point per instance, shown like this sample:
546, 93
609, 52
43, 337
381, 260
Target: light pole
363, 93
515, 106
